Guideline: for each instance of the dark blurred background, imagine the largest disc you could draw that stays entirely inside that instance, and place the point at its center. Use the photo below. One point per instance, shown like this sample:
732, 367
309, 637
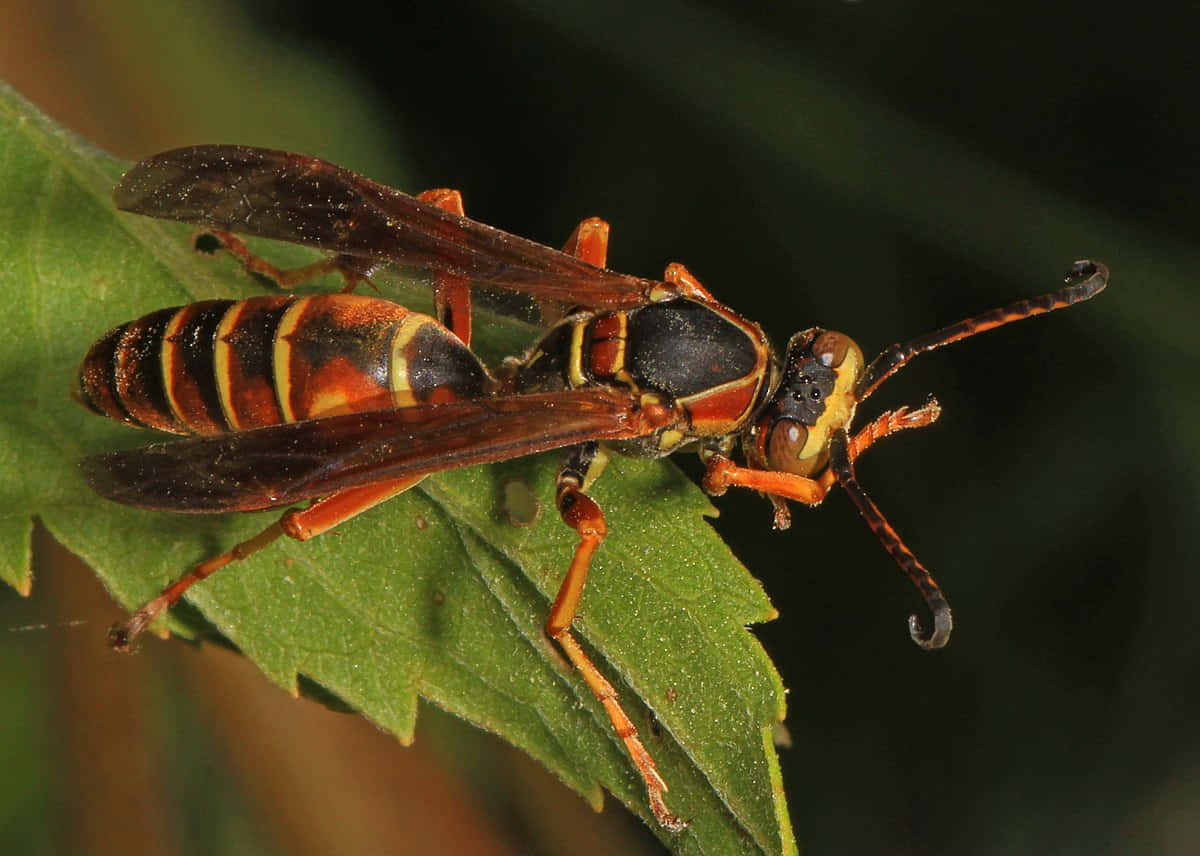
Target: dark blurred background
877, 168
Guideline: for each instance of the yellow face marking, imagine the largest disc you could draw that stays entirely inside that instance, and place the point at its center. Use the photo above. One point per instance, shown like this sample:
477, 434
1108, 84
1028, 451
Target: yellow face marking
282, 354
839, 406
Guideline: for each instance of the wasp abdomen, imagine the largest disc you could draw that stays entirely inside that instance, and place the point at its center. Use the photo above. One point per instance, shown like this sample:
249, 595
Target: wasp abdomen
223, 365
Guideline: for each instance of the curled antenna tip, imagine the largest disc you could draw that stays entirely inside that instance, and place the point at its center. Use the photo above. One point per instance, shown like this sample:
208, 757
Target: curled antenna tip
1081, 268
943, 624
1093, 275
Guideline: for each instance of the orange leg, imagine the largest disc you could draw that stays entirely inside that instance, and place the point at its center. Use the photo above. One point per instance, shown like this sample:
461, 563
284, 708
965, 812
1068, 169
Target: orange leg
589, 242
451, 294
685, 283
721, 473
885, 425
352, 269
301, 524
581, 513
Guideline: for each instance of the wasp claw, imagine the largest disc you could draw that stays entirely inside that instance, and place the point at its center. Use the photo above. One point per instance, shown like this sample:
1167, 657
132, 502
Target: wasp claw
121, 636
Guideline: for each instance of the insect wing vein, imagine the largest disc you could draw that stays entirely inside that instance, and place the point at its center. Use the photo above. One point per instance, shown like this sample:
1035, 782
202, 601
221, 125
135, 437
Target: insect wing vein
305, 200
284, 464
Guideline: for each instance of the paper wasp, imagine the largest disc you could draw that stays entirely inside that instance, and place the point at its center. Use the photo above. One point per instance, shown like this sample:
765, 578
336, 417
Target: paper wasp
349, 399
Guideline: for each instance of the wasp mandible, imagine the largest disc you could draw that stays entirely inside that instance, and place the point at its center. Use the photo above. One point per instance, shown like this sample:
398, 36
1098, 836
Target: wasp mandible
348, 400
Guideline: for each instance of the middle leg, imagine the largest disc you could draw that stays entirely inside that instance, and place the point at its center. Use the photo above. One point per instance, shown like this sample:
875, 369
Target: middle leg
451, 292
581, 513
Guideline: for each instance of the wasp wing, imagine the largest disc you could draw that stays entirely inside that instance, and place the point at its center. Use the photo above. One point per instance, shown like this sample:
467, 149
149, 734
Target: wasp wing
284, 464
305, 200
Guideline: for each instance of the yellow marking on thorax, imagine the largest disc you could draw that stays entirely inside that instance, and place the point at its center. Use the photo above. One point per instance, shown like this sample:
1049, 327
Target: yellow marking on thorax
575, 375
622, 373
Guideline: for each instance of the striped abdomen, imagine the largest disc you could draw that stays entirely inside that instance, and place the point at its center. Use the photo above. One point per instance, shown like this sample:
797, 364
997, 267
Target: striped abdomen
224, 365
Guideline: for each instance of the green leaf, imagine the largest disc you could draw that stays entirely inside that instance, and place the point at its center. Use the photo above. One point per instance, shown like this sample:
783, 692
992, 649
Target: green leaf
435, 594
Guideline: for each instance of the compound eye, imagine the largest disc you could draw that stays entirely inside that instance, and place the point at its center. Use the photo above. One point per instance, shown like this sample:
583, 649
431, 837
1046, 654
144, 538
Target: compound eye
785, 447
830, 348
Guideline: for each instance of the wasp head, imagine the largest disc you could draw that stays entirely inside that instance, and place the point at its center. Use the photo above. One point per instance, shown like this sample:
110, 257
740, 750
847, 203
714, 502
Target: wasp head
815, 396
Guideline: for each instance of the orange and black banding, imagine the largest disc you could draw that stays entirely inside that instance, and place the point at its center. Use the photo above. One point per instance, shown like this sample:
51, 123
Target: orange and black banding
96, 386
189, 366
331, 355
243, 355
121, 376
429, 365
220, 366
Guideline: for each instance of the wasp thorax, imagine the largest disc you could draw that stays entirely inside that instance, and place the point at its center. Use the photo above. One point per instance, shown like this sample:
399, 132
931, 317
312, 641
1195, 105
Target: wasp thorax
815, 397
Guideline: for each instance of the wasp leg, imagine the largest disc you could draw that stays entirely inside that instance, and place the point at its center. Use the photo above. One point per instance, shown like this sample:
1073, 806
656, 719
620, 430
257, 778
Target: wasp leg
581, 513
842, 465
300, 524
451, 293
685, 283
885, 425
353, 270
589, 242
721, 474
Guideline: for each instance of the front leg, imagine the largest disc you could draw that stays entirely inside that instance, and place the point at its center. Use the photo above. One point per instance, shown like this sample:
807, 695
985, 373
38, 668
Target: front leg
721, 473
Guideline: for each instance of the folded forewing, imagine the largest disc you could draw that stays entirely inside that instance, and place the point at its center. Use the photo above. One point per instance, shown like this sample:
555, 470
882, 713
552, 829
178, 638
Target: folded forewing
305, 200
283, 464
